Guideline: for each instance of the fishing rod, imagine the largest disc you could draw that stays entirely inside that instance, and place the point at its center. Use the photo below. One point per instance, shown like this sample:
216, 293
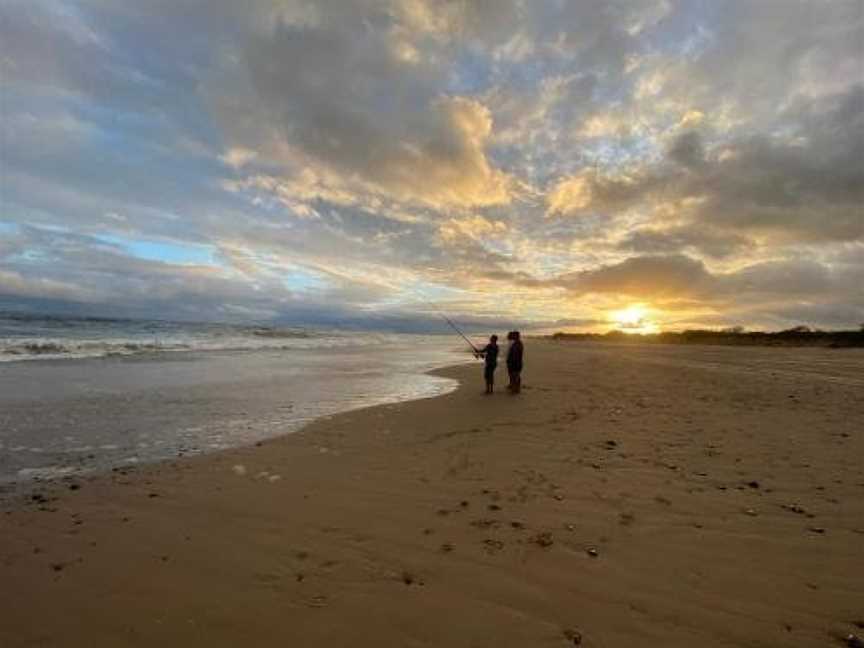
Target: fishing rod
445, 318
456, 328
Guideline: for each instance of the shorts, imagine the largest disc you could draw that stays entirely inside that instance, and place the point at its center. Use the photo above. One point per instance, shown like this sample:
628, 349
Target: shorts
489, 373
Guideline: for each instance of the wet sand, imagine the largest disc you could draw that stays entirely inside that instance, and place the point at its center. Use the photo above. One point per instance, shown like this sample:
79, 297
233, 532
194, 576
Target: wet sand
631, 496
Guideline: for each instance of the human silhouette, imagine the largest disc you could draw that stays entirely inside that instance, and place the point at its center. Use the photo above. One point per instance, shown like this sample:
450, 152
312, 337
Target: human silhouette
490, 354
514, 362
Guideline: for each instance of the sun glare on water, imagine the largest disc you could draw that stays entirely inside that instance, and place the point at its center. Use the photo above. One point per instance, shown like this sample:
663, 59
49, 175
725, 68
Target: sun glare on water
634, 319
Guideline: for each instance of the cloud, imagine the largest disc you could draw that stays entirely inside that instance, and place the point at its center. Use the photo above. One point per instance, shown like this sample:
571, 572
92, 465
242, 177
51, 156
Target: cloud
590, 192
654, 277
350, 99
687, 149
804, 186
775, 289
696, 238
543, 160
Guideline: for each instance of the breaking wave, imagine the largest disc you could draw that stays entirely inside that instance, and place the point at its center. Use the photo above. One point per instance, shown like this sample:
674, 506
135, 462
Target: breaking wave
35, 338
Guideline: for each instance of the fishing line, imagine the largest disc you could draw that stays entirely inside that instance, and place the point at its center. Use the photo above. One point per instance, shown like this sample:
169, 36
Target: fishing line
450, 322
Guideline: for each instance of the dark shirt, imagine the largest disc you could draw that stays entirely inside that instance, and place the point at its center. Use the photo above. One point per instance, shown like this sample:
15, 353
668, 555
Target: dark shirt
490, 353
514, 356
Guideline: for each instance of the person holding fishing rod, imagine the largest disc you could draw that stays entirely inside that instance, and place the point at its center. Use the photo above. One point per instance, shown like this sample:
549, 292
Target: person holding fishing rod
489, 353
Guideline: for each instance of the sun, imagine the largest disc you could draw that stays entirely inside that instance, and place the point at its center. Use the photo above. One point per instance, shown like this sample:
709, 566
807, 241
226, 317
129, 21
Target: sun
634, 319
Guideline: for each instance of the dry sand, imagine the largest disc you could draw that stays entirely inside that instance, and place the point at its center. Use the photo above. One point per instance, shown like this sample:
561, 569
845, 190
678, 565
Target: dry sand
720, 490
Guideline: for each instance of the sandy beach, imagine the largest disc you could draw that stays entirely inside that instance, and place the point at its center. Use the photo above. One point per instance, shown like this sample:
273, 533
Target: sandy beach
630, 496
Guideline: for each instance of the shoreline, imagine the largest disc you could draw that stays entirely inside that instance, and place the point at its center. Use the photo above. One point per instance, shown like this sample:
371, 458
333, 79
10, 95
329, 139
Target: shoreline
24, 487
598, 502
88, 416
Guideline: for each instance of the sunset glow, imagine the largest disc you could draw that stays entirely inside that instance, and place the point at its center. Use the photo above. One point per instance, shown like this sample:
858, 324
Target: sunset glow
634, 319
365, 163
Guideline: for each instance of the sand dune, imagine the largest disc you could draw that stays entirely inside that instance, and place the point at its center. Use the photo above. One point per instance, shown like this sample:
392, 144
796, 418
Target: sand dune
662, 496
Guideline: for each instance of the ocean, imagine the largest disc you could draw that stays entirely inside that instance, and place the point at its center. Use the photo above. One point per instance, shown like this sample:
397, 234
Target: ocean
79, 395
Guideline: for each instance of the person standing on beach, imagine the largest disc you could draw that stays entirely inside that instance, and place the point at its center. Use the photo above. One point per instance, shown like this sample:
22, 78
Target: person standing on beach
514, 362
490, 354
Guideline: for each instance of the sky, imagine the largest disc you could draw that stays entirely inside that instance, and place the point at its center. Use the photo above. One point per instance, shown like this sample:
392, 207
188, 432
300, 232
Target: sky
639, 164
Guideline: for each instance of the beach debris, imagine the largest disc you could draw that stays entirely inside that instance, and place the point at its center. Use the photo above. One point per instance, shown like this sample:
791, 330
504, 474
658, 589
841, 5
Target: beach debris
57, 567
611, 444
543, 539
853, 641
494, 507
751, 511
492, 546
428, 531
74, 487
515, 524
794, 508
753, 484
410, 579
238, 469
464, 503
592, 551
814, 529
570, 527
485, 523
573, 636
262, 475
152, 495
446, 547
274, 478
